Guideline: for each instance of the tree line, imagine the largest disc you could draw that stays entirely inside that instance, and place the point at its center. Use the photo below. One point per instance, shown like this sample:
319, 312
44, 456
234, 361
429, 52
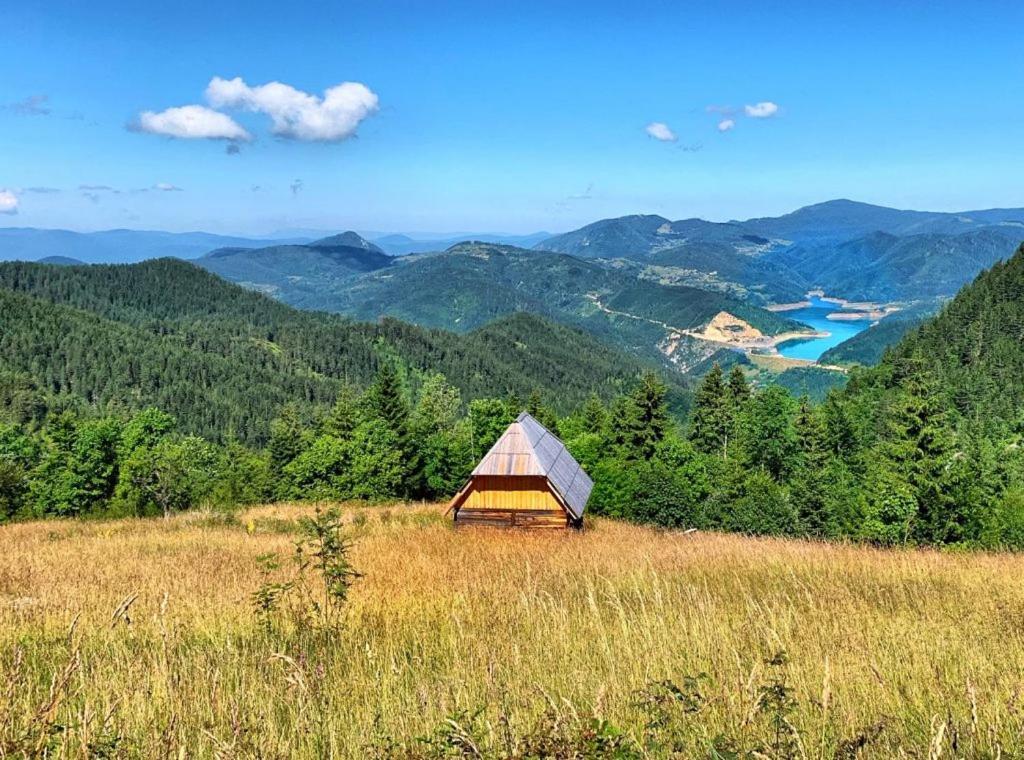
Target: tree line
757, 461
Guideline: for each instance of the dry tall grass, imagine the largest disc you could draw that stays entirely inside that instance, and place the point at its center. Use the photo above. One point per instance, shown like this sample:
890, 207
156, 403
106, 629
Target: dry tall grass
138, 638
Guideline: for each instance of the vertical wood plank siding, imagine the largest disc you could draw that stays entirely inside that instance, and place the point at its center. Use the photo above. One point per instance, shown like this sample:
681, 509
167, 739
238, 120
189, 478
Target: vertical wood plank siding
522, 502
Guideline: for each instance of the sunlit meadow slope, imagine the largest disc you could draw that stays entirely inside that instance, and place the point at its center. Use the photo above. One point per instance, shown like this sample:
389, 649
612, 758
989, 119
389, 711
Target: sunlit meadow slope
482, 641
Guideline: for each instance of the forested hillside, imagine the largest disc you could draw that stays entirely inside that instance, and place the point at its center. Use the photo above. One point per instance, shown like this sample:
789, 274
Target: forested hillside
224, 360
885, 267
300, 275
924, 448
474, 283
968, 360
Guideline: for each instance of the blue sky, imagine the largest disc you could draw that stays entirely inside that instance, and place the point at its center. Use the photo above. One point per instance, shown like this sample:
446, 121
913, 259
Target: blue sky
511, 117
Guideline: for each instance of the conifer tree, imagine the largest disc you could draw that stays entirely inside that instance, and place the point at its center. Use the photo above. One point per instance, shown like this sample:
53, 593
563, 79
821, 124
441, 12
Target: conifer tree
345, 415
286, 439
920, 443
595, 416
645, 418
712, 417
810, 435
809, 482
385, 401
739, 389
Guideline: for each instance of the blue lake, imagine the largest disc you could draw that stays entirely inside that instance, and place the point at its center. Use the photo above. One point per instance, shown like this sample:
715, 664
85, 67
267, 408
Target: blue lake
816, 316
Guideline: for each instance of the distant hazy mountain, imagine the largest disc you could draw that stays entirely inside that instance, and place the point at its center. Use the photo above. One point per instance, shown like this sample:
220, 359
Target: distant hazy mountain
844, 219
115, 246
399, 245
853, 250
60, 261
622, 237
883, 267
346, 239
302, 275
695, 252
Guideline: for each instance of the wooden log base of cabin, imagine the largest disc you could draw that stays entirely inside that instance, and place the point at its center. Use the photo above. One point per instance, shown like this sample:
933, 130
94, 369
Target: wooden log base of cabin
514, 518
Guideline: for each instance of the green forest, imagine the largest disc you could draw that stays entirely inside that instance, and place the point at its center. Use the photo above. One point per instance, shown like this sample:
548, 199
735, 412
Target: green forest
924, 448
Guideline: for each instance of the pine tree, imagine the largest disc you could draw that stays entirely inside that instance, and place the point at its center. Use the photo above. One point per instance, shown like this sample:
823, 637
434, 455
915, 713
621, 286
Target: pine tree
808, 483
712, 418
645, 419
385, 401
595, 416
920, 444
287, 439
739, 389
810, 436
536, 408
345, 415
840, 436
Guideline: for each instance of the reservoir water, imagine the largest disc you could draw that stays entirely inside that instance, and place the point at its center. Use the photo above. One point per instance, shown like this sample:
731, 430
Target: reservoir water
816, 316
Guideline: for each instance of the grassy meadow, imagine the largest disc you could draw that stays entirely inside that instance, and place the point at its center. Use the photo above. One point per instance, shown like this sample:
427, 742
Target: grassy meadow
139, 638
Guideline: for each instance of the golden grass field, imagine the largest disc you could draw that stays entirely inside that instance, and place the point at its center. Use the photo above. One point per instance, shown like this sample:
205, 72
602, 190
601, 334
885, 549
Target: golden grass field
918, 653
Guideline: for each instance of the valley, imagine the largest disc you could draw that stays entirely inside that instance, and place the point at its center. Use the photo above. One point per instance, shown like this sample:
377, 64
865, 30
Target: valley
673, 294
657, 288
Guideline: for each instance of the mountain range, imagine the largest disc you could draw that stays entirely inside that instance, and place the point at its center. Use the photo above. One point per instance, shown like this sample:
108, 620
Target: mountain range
638, 283
471, 284
400, 245
116, 246
852, 250
224, 359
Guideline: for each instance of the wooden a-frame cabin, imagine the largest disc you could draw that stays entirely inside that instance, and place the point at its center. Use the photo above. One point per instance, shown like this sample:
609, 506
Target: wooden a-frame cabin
527, 480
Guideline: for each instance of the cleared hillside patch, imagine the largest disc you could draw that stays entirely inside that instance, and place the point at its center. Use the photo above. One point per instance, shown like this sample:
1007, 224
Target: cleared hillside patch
493, 639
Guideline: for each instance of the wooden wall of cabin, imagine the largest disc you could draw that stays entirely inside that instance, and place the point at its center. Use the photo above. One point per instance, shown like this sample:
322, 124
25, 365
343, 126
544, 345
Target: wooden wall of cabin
504, 492
511, 501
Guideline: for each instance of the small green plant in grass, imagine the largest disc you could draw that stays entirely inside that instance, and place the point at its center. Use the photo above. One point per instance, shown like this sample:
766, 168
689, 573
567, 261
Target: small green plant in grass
777, 704
266, 600
322, 552
323, 576
666, 705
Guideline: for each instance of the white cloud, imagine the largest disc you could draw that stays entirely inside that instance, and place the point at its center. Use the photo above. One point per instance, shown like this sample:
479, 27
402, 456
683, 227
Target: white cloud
762, 110
296, 114
8, 202
166, 187
725, 125
192, 123
660, 131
